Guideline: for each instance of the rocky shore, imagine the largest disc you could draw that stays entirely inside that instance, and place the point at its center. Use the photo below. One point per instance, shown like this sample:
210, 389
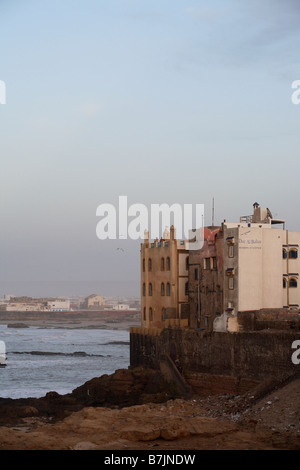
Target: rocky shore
134, 409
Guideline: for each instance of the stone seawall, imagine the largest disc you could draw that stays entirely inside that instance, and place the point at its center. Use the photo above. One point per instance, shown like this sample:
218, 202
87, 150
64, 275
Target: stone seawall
232, 362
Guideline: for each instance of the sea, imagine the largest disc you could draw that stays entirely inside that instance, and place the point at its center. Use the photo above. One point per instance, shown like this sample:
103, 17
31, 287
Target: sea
40, 360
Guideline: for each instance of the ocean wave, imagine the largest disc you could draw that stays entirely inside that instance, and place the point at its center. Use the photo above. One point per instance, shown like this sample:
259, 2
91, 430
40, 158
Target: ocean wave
122, 343
51, 353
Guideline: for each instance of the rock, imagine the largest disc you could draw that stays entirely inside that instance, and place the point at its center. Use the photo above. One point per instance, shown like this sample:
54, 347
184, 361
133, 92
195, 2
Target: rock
17, 325
85, 445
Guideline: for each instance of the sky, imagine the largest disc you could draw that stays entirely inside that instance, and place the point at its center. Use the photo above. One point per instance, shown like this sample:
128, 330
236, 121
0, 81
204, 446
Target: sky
163, 102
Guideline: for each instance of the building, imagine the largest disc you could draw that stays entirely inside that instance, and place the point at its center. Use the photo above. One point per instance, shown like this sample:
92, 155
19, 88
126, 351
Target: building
59, 305
25, 307
164, 281
93, 302
248, 265
261, 264
206, 277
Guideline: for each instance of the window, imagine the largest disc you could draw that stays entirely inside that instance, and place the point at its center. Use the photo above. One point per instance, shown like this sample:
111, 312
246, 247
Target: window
196, 274
144, 289
150, 288
207, 263
168, 289
145, 314
206, 320
219, 290
284, 254
230, 282
163, 314
150, 314
162, 288
293, 283
144, 264
187, 263
150, 264
162, 264
168, 264
293, 254
284, 283
214, 262
186, 288
230, 251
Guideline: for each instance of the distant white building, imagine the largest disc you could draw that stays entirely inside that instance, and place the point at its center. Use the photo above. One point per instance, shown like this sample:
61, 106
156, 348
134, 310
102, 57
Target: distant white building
24, 307
123, 307
59, 305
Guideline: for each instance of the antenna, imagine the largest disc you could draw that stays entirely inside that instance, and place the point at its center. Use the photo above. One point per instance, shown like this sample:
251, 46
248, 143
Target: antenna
213, 213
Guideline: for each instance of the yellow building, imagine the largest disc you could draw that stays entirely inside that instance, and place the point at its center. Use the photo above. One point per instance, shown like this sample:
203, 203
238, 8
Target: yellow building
164, 281
93, 302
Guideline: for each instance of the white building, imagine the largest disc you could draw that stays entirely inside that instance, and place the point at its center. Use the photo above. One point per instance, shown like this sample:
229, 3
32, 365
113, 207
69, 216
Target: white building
25, 307
261, 264
59, 305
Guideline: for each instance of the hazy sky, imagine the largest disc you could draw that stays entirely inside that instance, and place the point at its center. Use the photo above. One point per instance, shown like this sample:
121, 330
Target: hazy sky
162, 101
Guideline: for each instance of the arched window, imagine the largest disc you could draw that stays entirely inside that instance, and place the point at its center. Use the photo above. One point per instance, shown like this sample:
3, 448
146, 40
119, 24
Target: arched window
162, 288
284, 253
293, 254
284, 283
150, 314
168, 289
163, 314
144, 289
293, 283
145, 314
149, 264
168, 263
186, 288
150, 288
162, 264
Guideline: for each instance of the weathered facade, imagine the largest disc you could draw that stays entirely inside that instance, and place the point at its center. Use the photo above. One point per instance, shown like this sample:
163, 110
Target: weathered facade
219, 362
206, 280
164, 281
93, 302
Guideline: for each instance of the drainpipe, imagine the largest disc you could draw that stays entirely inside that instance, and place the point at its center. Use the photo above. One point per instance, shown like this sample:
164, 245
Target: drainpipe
287, 271
198, 313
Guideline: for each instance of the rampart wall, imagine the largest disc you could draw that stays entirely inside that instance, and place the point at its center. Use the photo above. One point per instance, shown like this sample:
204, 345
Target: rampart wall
219, 362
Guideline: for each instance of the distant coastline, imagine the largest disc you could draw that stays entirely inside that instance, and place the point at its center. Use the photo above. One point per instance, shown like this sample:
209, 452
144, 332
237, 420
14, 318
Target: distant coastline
73, 319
